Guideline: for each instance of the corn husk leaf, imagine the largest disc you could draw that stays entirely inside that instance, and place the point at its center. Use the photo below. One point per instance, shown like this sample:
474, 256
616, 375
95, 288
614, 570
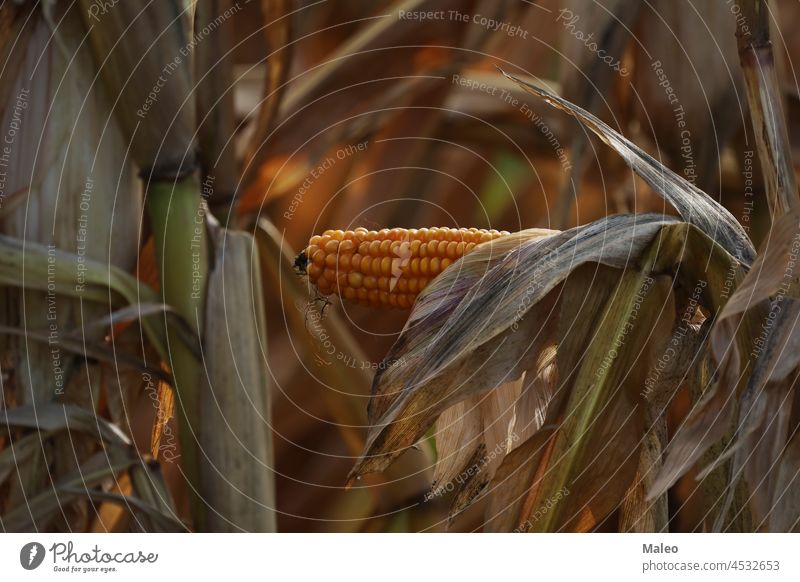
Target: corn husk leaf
737, 324
514, 482
637, 513
490, 425
766, 108
472, 330
459, 443
538, 502
149, 78
236, 439
443, 295
594, 458
474, 435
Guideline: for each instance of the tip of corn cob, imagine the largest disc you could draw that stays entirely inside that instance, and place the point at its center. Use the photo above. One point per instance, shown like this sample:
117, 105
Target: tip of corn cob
388, 267
301, 262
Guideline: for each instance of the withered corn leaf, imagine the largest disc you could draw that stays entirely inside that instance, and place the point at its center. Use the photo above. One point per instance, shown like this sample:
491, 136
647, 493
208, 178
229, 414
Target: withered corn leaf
693, 205
480, 336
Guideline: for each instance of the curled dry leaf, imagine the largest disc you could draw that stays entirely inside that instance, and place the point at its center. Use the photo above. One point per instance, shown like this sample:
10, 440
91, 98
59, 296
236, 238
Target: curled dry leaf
472, 437
764, 426
693, 205
742, 333
55, 417
755, 343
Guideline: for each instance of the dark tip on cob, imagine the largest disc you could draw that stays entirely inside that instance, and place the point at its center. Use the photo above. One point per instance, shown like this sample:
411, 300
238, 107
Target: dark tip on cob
301, 262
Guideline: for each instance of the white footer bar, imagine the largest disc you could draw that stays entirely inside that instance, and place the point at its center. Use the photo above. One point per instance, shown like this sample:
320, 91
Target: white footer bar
401, 557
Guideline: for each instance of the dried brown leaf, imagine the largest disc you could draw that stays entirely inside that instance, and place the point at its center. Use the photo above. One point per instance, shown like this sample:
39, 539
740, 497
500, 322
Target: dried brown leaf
479, 334
693, 205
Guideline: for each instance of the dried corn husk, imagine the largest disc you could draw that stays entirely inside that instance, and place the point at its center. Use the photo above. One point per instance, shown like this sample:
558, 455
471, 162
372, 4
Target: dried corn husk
765, 98
144, 57
237, 471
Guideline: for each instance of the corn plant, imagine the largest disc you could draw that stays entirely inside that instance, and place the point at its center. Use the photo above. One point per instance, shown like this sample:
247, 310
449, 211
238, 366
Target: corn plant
545, 364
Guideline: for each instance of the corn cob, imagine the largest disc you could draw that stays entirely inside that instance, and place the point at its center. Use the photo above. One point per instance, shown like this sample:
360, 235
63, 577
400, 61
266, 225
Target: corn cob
385, 268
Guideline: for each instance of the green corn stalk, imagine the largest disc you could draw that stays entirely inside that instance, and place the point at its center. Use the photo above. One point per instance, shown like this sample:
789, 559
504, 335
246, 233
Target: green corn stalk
145, 59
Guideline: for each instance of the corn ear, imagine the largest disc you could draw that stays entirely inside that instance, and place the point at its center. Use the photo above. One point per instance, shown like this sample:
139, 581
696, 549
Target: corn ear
386, 268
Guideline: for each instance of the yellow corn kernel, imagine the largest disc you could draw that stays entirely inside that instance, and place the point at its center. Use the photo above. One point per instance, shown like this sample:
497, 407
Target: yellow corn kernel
385, 268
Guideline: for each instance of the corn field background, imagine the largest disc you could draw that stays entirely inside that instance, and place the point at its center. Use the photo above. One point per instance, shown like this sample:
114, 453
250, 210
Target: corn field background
399, 266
